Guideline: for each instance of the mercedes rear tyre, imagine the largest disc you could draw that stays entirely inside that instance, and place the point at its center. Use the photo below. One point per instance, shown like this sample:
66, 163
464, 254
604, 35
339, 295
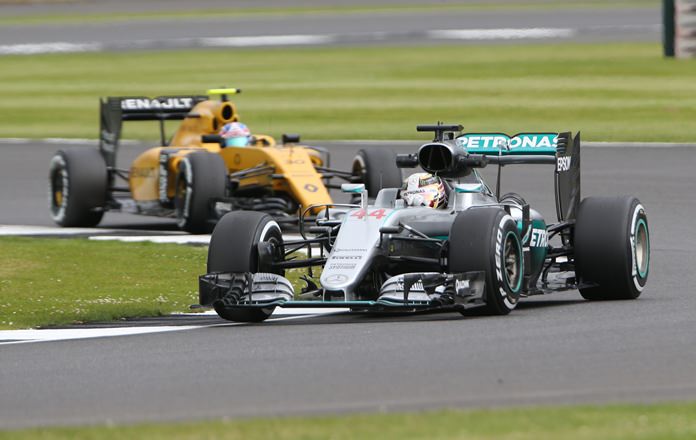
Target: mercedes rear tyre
202, 177
234, 248
376, 168
78, 182
487, 240
612, 248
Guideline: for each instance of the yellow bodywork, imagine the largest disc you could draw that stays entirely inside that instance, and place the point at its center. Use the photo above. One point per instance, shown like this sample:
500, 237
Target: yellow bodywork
153, 173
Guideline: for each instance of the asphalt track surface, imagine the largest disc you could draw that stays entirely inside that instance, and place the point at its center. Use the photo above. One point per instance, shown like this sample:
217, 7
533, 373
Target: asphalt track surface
557, 349
329, 28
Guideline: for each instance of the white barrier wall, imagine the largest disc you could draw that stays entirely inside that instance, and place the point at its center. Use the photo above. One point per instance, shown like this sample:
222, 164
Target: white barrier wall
685, 28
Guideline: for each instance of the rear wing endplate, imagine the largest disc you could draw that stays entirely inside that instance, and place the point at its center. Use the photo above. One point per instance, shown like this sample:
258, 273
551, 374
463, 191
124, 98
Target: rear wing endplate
567, 176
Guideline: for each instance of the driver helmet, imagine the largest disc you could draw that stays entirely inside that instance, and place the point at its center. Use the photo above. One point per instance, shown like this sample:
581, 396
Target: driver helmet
236, 134
424, 189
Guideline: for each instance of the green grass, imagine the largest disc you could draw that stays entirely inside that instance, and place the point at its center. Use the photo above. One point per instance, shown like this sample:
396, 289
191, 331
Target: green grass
251, 12
45, 282
659, 421
62, 281
612, 92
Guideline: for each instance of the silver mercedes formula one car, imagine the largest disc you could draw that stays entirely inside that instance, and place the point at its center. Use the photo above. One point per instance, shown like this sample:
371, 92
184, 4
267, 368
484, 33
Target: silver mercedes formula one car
481, 250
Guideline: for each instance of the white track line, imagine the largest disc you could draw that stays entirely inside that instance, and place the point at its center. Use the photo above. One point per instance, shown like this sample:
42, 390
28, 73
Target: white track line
34, 335
22, 230
252, 41
500, 34
49, 335
177, 239
267, 40
55, 47
282, 312
284, 40
103, 234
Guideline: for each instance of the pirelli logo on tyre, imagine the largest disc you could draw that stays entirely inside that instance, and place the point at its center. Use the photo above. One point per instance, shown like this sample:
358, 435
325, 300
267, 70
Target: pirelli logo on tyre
498, 256
502, 278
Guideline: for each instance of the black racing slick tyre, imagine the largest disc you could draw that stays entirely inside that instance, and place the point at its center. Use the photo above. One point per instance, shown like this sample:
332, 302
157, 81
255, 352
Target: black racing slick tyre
202, 177
376, 168
234, 248
612, 248
78, 182
486, 239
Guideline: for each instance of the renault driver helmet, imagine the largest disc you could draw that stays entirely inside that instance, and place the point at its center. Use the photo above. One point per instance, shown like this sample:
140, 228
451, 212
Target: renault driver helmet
235, 134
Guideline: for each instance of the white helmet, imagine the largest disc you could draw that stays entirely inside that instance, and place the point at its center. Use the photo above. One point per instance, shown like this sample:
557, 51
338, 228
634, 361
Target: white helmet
424, 189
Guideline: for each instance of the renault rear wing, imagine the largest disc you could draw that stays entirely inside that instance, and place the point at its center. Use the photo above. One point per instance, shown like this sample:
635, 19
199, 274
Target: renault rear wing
113, 110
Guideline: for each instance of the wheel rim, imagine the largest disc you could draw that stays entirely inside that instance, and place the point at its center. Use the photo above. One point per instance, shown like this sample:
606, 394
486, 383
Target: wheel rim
274, 237
278, 251
359, 169
57, 190
180, 199
513, 266
642, 248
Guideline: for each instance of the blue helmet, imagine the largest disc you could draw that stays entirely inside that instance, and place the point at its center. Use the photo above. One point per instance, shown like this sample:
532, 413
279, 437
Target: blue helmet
236, 134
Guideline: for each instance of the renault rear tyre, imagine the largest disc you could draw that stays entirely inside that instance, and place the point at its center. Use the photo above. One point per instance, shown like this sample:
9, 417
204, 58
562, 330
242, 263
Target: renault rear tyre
78, 182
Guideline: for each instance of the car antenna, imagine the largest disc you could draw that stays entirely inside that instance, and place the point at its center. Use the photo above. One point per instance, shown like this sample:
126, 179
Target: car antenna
440, 129
223, 92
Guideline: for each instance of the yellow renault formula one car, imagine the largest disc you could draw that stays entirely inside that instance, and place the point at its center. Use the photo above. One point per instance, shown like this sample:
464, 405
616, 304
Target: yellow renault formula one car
194, 177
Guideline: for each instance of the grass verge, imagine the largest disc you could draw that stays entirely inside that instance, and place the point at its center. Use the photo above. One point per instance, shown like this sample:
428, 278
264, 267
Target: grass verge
658, 421
63, 281
54, 281
611, 92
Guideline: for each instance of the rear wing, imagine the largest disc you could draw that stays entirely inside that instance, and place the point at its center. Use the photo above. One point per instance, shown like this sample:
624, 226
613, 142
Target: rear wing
494, 144
560, 149
116, 109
